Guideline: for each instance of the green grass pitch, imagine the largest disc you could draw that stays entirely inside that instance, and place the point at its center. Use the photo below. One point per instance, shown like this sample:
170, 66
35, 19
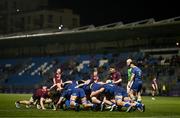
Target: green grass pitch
162, 107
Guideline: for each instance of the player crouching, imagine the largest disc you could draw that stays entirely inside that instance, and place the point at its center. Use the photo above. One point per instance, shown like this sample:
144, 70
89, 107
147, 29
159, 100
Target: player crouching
40, 97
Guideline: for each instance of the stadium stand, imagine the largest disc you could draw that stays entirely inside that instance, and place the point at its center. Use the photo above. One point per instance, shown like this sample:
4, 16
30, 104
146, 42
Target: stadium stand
39, 69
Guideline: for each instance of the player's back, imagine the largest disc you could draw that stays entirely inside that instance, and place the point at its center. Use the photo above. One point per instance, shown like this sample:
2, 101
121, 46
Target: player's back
121, 91
71, 85
138, 74
115, 76
67, 93
109, 89
40, 92
95, 86
86, 88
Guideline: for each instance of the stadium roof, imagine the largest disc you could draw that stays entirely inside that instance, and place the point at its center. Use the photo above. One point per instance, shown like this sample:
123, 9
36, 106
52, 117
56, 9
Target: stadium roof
148, 28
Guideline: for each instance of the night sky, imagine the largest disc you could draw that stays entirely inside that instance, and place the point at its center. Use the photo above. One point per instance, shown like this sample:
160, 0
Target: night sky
101, 12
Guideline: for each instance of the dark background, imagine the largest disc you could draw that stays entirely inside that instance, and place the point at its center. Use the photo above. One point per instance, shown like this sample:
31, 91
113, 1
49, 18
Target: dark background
100, 12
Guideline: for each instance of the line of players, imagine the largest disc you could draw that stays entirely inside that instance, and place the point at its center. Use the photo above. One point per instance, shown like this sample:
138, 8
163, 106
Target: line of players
92, 93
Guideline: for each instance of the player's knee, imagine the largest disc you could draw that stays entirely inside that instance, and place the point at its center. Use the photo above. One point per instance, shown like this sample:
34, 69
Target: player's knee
126, 99
85, 105
72, 103
93, 99
119, 102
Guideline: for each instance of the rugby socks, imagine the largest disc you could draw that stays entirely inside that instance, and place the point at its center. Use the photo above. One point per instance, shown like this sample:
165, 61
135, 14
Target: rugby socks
138, 104
126, 104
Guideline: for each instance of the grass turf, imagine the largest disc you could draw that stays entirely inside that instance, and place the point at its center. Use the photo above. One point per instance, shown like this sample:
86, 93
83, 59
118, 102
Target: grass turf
162, 107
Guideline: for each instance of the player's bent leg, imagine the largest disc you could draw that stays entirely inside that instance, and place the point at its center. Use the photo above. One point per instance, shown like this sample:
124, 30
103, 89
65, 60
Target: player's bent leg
17, 104
50, 103
122, 103
85, 104
153, 91
47, 101
24, 102
73, 104
118, 100
66, 105
42, 100
108, 102
133, 95
139, 98
125, 104
139, 106
95, 100
59, 102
